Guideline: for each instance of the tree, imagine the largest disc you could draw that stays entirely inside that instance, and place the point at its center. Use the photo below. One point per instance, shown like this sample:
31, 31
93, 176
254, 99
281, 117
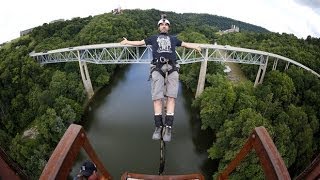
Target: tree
50, 127
302, 135
4, 139
282, 87
230, 139
58, 84
69, 110
216, 102
245, 97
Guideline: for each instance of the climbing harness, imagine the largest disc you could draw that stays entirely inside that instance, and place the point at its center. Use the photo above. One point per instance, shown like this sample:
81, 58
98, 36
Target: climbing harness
159, 63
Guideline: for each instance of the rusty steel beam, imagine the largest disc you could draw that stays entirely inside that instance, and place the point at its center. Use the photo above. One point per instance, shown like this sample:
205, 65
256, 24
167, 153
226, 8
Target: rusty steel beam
312, 171
93, 156
62, 158
9, 169
127, 175
247, 147
270, 159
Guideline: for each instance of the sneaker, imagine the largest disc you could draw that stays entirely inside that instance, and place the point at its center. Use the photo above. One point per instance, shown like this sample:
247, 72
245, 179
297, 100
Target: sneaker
157, 133
167, 134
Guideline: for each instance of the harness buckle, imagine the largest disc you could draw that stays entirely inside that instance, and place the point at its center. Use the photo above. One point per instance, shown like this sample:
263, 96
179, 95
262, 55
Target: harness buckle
163, 60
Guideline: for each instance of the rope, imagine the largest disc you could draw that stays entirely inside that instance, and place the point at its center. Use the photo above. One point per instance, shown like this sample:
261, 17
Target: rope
162, 156
162, 143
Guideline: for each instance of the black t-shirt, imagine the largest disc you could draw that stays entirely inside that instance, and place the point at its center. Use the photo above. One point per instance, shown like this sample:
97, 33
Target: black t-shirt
163, 45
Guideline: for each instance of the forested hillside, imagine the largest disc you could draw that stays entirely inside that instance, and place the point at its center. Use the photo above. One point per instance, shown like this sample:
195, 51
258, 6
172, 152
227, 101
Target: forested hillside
37, 103
287, 104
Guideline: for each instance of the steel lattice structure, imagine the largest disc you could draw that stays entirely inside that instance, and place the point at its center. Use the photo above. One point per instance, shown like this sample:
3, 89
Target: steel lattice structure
114, 53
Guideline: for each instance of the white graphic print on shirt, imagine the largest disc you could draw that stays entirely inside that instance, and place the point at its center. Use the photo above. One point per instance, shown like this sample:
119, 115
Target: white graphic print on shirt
164, 44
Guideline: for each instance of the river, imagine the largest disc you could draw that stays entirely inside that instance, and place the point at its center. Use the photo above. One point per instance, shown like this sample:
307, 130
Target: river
119, 123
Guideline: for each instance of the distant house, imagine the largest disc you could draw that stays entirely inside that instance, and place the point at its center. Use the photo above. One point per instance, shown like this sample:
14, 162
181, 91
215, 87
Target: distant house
117, 11
57, 20
233, 29
27, 31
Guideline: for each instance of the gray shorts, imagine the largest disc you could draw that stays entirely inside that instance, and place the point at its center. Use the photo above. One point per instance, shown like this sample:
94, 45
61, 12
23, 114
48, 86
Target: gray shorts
157, 83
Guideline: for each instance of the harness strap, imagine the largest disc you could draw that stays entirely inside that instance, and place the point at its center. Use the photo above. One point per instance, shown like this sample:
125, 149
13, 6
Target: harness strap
159, 70
174, 68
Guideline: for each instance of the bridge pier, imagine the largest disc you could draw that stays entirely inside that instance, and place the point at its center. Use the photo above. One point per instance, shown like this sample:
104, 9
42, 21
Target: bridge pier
85, 77
260, 77
275, 63
202, 75
287, 66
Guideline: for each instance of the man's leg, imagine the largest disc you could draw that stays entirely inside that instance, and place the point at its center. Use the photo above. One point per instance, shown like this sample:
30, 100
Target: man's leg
170, 105
169, 119
170, 112
157, 106
157, 96
172, 93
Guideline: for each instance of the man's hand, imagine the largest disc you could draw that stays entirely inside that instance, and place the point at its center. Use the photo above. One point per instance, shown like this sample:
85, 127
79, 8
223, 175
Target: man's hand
191, 46
198, 48
133, 43
124, 41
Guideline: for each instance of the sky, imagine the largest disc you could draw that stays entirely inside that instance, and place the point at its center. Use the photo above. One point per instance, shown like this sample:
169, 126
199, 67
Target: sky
298, 17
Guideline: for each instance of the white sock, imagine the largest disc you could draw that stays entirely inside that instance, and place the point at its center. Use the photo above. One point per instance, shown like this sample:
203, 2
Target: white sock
170, 114
157, 114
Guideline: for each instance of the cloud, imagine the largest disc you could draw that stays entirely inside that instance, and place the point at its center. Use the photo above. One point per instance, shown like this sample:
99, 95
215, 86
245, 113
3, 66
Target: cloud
313, 4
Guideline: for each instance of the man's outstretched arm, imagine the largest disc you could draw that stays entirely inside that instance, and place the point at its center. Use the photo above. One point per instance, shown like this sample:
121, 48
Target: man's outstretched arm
191, 46
134, 43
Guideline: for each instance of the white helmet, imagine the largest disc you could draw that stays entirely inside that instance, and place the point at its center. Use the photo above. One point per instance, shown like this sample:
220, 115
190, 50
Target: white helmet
166, 21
